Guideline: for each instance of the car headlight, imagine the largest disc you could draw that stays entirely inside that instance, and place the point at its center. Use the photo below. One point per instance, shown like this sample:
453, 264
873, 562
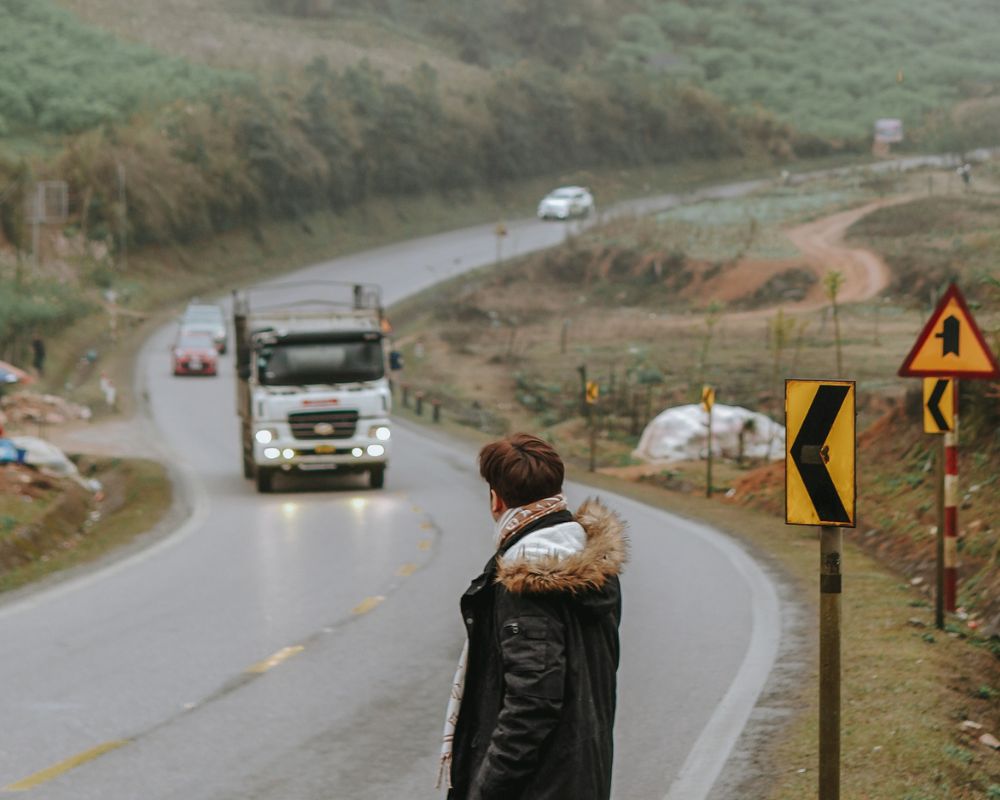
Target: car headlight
380, 432
264, 436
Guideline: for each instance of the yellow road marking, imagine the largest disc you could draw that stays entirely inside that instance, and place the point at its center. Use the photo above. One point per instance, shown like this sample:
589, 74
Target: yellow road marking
425, 544
426, 526
406, 570
270, 663
416, 509
64, 766
367, 604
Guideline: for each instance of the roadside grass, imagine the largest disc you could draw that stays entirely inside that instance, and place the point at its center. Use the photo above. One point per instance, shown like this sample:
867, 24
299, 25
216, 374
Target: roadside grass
137, 495
16, 510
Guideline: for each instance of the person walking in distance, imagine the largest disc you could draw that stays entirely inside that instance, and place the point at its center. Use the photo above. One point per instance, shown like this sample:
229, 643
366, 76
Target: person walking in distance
532, 708
38, 353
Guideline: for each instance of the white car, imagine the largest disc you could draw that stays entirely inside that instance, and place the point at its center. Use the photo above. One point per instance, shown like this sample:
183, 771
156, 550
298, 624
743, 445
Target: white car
566, 202
208, 318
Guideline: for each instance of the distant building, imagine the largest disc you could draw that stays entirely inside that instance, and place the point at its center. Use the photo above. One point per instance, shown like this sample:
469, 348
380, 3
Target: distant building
888, 131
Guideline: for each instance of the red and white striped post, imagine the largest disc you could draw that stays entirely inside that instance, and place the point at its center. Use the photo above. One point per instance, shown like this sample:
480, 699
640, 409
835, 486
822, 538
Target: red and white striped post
951, 510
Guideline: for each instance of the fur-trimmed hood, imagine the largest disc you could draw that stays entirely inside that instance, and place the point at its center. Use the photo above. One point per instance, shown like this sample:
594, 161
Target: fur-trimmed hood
602, 557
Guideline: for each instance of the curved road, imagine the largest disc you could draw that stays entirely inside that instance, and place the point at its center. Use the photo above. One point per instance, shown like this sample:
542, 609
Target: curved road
301, 644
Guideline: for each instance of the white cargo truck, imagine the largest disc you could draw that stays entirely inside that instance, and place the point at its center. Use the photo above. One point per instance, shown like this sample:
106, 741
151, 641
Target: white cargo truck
312, 389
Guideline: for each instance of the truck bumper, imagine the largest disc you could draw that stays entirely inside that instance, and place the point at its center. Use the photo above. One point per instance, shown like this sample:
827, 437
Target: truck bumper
346, 455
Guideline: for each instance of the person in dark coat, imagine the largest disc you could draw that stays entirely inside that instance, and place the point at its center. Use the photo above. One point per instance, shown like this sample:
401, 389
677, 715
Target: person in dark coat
532, 709
38, 354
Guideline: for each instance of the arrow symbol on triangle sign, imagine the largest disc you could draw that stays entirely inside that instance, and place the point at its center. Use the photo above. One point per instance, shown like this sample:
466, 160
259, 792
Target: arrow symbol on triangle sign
949, 335
811, 455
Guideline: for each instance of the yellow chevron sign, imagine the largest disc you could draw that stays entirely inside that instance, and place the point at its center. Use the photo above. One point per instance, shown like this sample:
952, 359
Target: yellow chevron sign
707, 397
820, 453
939, 405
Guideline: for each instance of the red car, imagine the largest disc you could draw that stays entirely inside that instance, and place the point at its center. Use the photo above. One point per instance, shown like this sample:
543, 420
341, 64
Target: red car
194, 354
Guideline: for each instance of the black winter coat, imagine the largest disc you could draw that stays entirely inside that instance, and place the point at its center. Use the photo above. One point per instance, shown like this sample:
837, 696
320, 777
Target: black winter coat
538, 709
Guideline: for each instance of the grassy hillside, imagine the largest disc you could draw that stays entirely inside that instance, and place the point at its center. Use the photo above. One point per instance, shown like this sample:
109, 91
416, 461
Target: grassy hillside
353, 101
829, 68
61, 76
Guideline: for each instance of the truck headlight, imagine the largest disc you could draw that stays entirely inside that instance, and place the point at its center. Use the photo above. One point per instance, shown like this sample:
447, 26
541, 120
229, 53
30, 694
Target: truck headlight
288, 452
380, 432
264, 436
375, 450
271, 452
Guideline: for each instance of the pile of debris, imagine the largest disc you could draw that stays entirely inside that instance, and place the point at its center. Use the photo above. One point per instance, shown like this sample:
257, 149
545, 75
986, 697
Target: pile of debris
18, 480
28, 461
30, 408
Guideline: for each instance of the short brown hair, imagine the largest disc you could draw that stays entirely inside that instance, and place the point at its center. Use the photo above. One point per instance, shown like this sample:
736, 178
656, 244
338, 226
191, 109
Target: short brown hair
521, 469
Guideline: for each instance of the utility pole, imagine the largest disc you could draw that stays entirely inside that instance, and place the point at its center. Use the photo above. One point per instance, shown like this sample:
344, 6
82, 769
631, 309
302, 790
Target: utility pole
122, 219
36, 220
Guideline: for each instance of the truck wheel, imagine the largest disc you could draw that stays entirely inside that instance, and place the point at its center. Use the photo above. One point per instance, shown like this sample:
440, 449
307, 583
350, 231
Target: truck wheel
376, 477
264, 478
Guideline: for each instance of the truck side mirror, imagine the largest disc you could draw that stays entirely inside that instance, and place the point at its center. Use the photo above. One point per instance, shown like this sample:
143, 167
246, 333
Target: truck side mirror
244, 372
395, 360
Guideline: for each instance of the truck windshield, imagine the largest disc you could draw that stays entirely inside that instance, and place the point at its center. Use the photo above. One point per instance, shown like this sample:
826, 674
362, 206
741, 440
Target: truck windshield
302, 364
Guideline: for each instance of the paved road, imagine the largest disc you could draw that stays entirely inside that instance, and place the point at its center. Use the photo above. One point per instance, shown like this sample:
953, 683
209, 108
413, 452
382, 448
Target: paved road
301, 645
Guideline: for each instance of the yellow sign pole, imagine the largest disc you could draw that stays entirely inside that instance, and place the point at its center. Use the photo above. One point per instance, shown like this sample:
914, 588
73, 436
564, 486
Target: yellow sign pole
708, 468
707, 403
593, 393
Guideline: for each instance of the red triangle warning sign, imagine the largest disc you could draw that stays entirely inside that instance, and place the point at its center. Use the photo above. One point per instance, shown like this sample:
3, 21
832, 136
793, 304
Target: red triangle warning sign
951, 344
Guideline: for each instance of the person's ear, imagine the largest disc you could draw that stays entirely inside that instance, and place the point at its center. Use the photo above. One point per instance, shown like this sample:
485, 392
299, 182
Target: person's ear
497, 506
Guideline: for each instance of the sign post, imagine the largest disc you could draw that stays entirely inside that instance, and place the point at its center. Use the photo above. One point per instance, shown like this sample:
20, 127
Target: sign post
950, 532
501, 232
820, 489
949, 346
939, 418
592, 396
707, 402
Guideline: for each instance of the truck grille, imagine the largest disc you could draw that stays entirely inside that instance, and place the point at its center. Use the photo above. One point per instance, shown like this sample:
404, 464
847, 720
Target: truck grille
335, 424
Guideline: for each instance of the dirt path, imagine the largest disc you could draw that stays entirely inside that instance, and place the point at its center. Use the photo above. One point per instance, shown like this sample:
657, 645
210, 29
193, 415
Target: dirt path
822, 244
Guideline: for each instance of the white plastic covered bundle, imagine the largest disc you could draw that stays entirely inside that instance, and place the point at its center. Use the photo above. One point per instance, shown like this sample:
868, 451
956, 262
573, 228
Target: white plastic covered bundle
681, 434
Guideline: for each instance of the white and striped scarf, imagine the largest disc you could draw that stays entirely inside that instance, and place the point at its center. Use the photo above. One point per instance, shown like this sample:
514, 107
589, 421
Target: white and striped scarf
510, 522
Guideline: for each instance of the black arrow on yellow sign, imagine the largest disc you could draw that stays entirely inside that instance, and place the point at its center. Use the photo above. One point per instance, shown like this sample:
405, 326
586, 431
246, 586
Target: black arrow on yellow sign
811, 455
934, 404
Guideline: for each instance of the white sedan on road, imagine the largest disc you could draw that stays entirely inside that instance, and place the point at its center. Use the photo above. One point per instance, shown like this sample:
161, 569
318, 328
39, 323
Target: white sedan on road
566, 202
